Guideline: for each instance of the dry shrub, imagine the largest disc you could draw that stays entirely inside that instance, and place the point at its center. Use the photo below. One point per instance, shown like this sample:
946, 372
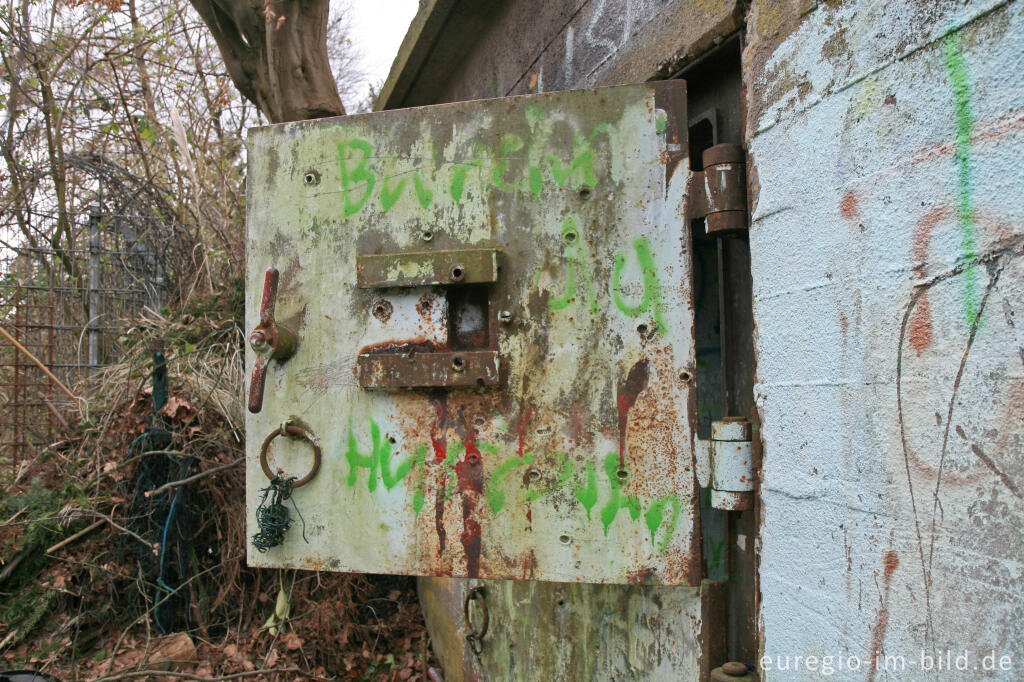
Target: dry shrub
97, 595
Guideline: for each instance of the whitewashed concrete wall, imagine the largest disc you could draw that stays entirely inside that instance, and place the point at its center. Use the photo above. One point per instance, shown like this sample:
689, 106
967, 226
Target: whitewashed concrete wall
888, 143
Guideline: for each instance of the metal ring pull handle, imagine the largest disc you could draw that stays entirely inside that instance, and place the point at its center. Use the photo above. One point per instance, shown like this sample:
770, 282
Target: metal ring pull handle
292, 430
475, 637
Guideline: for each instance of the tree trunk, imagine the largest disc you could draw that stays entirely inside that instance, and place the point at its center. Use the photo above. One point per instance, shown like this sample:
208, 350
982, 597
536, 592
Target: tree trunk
276, 54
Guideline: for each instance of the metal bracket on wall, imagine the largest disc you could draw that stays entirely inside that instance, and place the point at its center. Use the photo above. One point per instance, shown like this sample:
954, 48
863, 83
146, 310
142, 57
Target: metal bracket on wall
725, 464
719, 192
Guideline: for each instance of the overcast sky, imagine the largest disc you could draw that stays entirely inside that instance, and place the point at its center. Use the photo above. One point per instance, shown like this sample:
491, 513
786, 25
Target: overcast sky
378, 29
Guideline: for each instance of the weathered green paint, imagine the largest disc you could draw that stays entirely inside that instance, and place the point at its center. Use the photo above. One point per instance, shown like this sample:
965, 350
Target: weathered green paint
572, 194
495, 495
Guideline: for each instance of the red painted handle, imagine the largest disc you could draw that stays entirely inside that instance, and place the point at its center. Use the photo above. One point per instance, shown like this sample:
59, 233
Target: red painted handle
259, 381
269, 339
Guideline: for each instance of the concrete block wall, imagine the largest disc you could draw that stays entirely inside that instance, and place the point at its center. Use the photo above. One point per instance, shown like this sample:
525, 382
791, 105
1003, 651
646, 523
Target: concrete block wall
886, 142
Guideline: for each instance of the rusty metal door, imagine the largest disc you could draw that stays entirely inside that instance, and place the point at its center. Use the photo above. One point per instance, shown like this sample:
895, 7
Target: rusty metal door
491, 303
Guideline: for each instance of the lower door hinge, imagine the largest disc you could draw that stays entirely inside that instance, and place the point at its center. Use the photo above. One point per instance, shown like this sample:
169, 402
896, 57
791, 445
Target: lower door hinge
718, 194
725, 464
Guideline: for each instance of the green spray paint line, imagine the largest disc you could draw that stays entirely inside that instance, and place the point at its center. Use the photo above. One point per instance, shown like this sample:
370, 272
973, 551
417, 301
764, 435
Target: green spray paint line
388, 196
423, 193
656, 515
956, 69
587, 495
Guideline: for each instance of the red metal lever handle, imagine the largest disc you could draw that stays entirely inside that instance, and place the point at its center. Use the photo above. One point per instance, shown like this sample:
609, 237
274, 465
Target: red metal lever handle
270, 340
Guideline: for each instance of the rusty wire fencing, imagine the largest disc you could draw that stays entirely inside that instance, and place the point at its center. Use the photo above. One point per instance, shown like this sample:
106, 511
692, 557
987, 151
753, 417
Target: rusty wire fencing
64, 307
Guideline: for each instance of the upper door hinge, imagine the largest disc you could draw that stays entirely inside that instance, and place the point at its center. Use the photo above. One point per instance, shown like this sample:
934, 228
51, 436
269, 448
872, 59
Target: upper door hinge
718, 193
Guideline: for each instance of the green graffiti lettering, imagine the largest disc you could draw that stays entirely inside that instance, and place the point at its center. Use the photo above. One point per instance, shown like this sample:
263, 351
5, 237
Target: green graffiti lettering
536, 182
494, 493
419, 491
563, 477
357, 461
582, 161
575, 262
587, 495
458, 184
617, 500
389, 196
509, 143
651, 299
379, 461
424, 194
352, 177
535, 114
656, 514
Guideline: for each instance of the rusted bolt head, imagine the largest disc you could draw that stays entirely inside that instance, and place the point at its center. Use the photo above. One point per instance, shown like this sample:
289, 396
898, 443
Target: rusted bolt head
505, 316
734, 668
259, 342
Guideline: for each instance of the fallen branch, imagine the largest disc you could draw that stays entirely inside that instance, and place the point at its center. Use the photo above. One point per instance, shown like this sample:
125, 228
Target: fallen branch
39, 364
68, 540
195, 477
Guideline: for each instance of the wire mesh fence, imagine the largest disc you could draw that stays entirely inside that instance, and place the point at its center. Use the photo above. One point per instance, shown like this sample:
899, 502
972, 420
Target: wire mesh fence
63, 307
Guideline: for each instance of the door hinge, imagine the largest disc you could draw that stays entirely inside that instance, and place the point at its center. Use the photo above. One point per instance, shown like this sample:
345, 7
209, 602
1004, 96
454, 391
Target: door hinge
725, 464
718, 194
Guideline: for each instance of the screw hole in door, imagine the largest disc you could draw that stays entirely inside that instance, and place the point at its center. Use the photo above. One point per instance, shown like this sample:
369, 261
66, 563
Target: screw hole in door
685, 377
458, 272
426, 235
458, 364
382, 310
584, 193
564, 539
311, 178
622, 474
569, 237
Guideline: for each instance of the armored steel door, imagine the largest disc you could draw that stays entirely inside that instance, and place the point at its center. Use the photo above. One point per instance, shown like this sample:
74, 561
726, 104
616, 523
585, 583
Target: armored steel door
494, 356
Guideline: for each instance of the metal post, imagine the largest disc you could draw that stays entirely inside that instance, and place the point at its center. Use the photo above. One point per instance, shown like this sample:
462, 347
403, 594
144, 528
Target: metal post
94, 286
